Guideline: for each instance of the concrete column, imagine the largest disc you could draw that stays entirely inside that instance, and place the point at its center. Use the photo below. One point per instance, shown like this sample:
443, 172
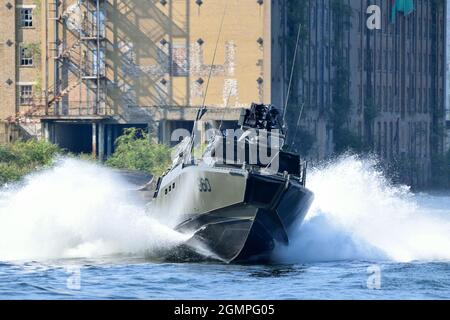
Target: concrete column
8, 133
53, 136
153, 131
101, 141
3, 132
94, 140
45, 131
164, 132
42, 137
160, 131
109, 141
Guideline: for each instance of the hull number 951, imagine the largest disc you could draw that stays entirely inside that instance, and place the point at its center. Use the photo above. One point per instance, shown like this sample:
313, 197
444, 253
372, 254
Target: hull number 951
204, 185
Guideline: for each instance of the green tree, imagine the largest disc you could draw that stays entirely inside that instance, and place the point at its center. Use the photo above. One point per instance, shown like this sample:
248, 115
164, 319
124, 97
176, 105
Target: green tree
136, 151
23, 157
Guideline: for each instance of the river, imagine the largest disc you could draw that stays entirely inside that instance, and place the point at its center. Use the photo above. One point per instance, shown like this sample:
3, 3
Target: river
75, 232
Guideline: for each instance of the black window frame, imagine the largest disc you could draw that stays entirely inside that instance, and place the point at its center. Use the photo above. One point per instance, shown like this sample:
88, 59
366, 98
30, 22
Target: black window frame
25, 94
26, 18
26, 57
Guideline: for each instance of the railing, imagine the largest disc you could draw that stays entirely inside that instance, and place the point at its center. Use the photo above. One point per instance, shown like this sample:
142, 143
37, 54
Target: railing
65, 50
73, 108
35, 107
89, 29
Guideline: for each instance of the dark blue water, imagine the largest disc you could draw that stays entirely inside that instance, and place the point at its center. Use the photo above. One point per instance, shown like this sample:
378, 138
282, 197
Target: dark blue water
144, 280
73, 233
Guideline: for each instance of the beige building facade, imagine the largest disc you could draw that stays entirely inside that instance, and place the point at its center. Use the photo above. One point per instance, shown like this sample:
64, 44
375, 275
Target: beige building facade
21, 69
102, 65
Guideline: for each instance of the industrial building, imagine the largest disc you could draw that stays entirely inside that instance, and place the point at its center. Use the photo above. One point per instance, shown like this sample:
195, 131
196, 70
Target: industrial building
77, 72
382, 89
87, 69
447, 78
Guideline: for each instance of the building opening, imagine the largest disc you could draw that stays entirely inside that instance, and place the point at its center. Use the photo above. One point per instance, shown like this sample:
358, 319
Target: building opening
74, 138
87, 137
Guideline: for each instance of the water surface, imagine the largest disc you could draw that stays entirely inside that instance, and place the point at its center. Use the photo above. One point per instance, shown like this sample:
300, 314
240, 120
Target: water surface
74, 233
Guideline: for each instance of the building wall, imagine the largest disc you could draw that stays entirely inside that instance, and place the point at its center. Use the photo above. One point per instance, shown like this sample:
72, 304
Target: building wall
8, 70
447, 93
158, 54
397, 73
407, 85
279, 61
12, 75
158, 57
154, 63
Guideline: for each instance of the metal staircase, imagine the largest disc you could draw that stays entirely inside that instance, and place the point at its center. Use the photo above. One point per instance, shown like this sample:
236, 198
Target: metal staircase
73, 66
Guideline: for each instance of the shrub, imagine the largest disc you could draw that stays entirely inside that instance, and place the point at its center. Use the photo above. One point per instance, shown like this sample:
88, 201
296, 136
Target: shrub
23, 157
136, 151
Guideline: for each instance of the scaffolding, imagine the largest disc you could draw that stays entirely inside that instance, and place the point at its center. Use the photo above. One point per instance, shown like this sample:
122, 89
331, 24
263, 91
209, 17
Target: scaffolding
76, 45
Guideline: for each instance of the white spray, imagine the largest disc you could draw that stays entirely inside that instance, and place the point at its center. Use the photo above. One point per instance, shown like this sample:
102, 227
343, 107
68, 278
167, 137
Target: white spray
358, 214
77, 209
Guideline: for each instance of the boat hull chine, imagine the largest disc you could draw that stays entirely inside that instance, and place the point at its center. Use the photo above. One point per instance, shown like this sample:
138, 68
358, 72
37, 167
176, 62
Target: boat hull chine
249, 231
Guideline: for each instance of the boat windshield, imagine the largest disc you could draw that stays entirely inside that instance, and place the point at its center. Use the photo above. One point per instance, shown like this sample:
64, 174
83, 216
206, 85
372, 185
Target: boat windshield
255, 148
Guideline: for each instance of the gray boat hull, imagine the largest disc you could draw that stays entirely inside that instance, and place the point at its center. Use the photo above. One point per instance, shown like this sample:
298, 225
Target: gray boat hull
272, 210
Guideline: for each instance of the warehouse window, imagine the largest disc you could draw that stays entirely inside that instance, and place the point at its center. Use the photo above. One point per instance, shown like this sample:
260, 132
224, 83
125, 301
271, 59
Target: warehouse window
26, 17
26, 94
26, 56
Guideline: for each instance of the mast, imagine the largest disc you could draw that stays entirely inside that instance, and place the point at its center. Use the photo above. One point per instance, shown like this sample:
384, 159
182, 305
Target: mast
291, 76
201, 112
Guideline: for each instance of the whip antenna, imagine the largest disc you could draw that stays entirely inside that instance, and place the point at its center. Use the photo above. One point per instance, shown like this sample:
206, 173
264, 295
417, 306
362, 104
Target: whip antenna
202, 109
298, 124
292, 74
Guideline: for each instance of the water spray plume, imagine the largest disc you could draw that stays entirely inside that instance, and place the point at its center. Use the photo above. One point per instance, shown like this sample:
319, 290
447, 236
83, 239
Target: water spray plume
77, 209
358, 214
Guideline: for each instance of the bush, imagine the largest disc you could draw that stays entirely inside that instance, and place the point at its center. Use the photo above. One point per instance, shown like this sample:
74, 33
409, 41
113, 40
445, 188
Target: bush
23, 157
136, 151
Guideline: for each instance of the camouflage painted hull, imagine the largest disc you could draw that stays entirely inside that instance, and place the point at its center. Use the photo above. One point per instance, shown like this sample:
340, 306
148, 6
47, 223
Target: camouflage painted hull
236, 204
248, 231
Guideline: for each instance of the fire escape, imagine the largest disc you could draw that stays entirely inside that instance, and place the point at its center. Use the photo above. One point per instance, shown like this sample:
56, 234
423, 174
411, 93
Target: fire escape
78, 53
75, 55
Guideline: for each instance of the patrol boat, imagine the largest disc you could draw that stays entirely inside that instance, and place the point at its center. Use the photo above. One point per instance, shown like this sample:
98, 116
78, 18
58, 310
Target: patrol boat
233, 205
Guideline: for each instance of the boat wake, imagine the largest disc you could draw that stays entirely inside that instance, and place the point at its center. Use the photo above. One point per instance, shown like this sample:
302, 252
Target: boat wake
82, 210
78, 210
358, 215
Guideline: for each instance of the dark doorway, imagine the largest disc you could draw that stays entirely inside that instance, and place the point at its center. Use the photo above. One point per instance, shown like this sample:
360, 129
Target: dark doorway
75, 138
